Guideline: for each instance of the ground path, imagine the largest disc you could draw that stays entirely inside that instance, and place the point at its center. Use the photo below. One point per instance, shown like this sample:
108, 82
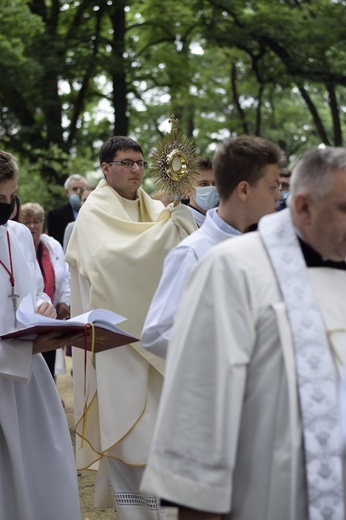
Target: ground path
86, 480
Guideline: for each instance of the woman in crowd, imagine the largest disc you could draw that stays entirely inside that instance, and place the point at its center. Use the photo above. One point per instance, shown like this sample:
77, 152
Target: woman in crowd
54, 269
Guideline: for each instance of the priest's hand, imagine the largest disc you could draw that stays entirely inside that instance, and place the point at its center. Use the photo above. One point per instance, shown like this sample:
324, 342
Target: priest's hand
52, 341
46, 309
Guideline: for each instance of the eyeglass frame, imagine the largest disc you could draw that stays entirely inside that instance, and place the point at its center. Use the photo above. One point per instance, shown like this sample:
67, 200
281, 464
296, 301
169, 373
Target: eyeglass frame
35, 222
142, 166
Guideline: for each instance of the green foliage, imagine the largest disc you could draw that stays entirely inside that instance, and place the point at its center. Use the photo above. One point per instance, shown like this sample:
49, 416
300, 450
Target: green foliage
33, 188
73, 73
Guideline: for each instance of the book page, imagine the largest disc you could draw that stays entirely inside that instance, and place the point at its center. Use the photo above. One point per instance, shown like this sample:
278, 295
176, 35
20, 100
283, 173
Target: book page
27, 316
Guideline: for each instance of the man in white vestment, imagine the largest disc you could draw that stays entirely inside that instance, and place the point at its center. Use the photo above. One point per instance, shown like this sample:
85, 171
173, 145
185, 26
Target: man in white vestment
247, 180
116, 253
248, 424
38, 479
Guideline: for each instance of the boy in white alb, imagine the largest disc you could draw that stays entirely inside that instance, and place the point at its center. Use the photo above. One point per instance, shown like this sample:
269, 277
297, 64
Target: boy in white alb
246, 175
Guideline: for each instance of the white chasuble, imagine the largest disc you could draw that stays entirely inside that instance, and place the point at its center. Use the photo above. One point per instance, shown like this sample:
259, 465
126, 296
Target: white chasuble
316, 378
229, 435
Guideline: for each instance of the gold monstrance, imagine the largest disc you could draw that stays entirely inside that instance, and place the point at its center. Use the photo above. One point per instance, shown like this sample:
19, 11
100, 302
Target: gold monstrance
174, 163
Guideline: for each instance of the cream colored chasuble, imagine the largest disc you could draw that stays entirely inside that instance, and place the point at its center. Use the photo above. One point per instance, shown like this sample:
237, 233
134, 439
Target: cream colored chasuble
116, 263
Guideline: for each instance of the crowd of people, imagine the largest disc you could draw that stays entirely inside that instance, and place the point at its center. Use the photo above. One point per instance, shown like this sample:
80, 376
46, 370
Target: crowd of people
229, 406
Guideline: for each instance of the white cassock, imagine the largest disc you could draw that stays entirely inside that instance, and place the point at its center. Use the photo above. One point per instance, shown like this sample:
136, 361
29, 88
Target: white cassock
38, 478
178, 263
198, 216
228, 437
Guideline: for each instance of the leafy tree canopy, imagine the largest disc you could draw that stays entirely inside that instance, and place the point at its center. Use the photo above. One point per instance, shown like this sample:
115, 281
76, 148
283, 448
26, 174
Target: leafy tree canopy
75, 72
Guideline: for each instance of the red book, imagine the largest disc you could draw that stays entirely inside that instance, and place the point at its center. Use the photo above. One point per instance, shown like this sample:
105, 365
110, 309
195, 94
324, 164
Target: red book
107, 334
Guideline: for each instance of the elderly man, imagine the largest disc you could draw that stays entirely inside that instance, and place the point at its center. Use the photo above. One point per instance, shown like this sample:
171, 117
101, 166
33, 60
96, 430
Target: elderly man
116, 252
58, 218
248, 424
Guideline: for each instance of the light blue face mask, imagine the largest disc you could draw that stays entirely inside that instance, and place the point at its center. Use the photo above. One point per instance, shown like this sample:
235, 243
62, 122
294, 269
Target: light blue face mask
207, 197
284, 194
74, 201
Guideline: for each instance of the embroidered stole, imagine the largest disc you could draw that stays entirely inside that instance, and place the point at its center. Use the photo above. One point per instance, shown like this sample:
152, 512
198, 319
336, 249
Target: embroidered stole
317, 386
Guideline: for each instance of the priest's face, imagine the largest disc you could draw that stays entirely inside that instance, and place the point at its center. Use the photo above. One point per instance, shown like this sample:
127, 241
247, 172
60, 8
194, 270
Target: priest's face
125, 178
326, 225
264, 196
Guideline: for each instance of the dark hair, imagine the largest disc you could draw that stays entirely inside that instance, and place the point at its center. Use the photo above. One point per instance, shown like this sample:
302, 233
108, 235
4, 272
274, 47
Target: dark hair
17, 209
8, 167
204, 163
118, 142
243, 158
285, 172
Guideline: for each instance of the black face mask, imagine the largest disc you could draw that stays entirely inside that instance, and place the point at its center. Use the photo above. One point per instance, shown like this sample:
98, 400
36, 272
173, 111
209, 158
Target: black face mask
6, 211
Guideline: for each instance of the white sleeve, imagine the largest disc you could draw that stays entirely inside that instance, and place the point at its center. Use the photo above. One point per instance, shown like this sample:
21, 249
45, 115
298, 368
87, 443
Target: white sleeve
16, 355
158, 325
41, 296
67, 235
16, 359
62, 276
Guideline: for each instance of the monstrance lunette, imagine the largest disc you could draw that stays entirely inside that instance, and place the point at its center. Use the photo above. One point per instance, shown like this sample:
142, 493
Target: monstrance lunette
174, 163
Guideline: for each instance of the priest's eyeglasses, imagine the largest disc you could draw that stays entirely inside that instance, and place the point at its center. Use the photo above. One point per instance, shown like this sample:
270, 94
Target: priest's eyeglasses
128, 163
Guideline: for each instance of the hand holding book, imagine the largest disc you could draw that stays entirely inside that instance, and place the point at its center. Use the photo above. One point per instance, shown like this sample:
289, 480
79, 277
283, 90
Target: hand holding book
50, 341
98, 327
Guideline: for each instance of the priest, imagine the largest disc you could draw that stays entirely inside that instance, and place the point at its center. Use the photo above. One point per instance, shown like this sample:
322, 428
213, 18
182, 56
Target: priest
248, 422
38, 479
116, 253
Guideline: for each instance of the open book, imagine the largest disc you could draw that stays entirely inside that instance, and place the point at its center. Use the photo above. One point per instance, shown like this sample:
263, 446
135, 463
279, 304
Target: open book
107, 334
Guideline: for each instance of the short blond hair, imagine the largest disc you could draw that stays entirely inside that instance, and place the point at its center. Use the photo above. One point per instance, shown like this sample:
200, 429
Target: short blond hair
32, 209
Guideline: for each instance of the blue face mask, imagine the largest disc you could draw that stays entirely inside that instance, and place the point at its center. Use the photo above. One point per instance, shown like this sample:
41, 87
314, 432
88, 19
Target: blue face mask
207, 197
284, 194
74, 201
283, 202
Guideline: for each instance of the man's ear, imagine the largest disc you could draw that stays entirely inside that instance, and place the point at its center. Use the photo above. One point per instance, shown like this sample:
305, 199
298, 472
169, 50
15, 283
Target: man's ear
302, 207
191, 192
105, 169
242, 190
